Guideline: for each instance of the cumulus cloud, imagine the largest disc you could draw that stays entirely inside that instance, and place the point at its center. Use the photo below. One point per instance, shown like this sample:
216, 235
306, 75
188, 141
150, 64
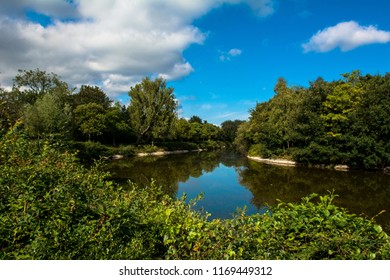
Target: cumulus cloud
226, 56
346, 36
111, 43
234, 52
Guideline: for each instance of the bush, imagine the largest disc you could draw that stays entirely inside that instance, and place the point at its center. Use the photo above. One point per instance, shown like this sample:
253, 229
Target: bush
127, 151
293, 231
176, 146
89, 151
54, 208
259, 150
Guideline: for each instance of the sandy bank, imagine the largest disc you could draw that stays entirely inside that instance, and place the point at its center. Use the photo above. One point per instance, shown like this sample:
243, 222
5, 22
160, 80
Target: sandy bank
162, 153
283, 162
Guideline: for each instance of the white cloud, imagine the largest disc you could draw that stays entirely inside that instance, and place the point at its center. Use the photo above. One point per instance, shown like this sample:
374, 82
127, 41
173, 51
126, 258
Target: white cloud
346, 36
227, 56
234, 52
206, 107
111, 43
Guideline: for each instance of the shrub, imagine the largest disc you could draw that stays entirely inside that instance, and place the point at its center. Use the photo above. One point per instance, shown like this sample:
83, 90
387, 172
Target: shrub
259, 150
54, 208
293, 231
89, 151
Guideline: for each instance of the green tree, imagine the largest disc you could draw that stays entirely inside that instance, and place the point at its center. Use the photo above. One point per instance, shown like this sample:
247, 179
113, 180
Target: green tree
91, 94
90, 119
30, 84
182, 130
242, 141
338, 105
195, 119
48, 115
117, 123
10, 108
152, 109
229, 129
210, 132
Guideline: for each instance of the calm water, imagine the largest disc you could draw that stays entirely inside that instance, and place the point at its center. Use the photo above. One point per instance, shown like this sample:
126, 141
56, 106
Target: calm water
229, 181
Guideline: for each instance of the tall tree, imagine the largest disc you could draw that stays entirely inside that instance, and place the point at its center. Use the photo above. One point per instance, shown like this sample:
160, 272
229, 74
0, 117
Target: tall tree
229, 129
31, 84
152, 109
117, 124
339, 104
48, 115
195, 119
90, 119
91, 94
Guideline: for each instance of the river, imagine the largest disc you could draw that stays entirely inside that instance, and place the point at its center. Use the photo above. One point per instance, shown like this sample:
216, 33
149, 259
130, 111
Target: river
229, 181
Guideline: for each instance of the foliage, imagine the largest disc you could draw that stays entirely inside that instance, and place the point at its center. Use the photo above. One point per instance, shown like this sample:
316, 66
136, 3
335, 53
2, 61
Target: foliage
195, 119
339, 122
290, 231
88, 151
48, 115
152, 109
243, 138
91, 94
229, 129
54, 208
11, 108
90, 119
30, 84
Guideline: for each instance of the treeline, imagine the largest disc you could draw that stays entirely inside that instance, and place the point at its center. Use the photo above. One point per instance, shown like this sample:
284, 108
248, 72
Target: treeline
48, 107
339, 122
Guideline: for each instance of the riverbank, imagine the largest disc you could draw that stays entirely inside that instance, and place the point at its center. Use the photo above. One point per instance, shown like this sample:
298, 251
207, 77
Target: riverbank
283, 162
89, 151
163, 153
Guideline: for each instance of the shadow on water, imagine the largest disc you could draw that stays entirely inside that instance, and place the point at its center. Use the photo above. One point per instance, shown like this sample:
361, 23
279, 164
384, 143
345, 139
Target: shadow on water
228, 181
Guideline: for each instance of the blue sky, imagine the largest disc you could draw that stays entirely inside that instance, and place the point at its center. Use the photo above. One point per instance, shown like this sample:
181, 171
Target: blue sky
221, 56
270, 48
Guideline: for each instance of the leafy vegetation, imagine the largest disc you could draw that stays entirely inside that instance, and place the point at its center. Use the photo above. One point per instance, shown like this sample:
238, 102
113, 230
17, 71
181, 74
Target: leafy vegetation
54, 208
339, 122
50, 108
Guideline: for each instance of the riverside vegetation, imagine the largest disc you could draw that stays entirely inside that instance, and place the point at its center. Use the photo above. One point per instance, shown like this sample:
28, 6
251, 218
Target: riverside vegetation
53, 207
341, 122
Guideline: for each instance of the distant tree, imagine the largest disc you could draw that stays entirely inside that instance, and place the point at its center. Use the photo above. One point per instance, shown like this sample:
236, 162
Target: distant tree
117, 124
229, 129
90, 119
152, 109
339, 104
48, 115
243, 140
30, 84
195, 119
210, 131
91, 94
182, 130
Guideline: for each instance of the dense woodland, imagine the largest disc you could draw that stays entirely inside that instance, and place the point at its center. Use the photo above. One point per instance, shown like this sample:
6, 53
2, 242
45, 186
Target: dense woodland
48, 107
340, 122
54, 207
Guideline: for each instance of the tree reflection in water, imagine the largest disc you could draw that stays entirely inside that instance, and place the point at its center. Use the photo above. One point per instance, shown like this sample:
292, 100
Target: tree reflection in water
226, 177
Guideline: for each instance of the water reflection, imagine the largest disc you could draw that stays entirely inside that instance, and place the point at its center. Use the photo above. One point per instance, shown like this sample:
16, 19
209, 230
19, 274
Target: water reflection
229, 181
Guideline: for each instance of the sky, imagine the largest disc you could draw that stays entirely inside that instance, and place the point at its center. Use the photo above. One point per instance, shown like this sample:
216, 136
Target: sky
220, 56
